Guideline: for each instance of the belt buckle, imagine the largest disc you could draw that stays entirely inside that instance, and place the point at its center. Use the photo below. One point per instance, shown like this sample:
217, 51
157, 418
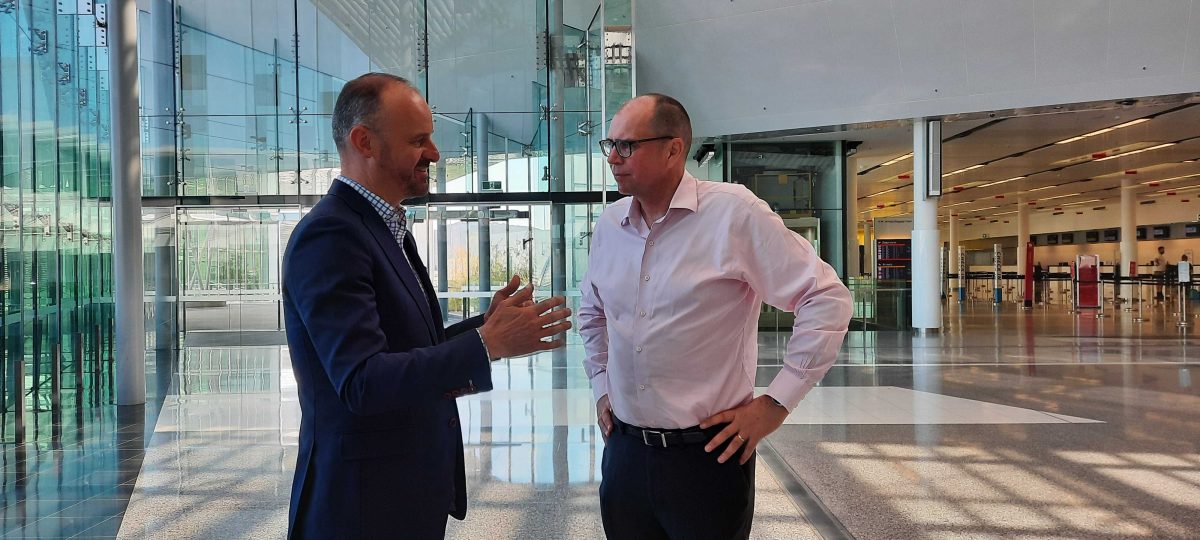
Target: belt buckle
646, 440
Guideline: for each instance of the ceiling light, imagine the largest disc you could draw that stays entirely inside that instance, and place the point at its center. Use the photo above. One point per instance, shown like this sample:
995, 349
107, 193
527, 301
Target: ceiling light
965, 169
1041, 188
957, 203
1061, 196
1156, 147
1171, 179
1178, 189
1082, 202
1131, 123
1001, 181
896, 160
1102, 131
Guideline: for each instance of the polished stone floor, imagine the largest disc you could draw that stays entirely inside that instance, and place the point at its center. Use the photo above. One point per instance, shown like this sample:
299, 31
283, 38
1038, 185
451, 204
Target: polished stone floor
1009, 424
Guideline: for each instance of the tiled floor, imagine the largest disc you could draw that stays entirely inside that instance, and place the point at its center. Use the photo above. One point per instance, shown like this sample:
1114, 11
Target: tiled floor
1009, 424
74, 475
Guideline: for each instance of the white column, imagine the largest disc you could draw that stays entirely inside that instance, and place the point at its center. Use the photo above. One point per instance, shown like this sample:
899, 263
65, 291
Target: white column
852, 217
952, 255
484, 240
926, 298
130, 323
1128, 230
1022, 235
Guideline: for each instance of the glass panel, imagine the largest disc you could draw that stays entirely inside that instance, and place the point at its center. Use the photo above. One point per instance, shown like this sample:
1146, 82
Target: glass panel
243, 107
449, 240
53, 105
800, 181
229, 271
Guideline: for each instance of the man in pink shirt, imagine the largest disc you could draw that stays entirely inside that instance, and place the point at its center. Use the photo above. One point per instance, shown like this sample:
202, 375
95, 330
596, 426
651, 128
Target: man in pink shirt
677, 275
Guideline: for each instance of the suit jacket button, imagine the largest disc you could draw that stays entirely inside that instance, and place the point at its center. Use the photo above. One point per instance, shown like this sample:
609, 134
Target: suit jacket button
453, 422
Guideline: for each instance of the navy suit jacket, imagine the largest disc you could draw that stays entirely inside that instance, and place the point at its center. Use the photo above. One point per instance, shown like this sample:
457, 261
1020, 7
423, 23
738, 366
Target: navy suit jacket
381, 452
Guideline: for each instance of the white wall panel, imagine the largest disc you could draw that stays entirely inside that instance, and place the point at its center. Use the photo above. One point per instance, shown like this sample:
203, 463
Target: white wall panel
931, 46
857, 31
1191, 63
1071, 42
1149, 41
1000, 57
654, 13
844, 61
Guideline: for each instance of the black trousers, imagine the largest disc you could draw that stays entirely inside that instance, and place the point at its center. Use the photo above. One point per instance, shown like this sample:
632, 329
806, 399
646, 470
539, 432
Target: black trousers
650, 492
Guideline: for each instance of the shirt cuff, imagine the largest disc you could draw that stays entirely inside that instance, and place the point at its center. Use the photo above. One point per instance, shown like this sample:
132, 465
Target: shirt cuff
599, 386
789, 389
485, 348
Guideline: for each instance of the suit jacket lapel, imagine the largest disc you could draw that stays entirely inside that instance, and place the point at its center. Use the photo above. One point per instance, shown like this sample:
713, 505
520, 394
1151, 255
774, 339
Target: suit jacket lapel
410, 247
395, 256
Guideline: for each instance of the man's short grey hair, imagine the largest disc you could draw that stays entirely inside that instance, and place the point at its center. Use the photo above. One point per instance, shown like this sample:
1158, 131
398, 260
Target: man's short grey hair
670, 118
359, 101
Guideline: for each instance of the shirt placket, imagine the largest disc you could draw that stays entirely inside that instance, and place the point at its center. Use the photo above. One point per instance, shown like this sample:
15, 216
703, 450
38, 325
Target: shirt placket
641, 310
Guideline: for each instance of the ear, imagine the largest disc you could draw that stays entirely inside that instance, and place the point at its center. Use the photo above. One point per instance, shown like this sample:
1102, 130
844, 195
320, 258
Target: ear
676, 148
362, 141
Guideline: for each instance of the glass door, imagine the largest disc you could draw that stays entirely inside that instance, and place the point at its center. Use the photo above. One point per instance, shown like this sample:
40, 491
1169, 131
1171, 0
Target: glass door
229, 273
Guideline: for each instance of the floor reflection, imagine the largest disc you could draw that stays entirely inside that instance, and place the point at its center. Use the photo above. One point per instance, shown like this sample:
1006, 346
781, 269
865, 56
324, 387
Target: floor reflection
1006, 425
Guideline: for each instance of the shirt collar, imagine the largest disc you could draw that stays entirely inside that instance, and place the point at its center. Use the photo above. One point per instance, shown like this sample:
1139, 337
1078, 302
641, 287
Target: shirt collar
686, 198
386, 210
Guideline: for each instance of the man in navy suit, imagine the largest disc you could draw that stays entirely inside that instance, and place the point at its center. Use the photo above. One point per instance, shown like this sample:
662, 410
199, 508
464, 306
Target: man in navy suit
381, 452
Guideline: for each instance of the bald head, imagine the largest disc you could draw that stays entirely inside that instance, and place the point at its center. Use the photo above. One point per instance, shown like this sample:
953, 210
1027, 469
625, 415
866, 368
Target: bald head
667, 117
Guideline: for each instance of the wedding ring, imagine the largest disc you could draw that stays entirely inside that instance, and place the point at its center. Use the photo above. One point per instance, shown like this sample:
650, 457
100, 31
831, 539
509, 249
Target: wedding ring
740, 437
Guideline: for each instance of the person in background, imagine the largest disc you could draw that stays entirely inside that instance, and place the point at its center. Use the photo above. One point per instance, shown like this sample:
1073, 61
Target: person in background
1160, 271
1039, 282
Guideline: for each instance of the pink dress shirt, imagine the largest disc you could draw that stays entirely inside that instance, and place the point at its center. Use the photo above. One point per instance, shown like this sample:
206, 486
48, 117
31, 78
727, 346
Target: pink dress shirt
669, 315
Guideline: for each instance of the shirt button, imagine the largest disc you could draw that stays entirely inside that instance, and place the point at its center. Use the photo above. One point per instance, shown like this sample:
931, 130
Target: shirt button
646, 278
638, 348
643, 314
641, 387
652, 242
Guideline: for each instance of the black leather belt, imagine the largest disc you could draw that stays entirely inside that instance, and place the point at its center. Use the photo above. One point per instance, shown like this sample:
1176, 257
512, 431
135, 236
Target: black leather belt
663, 438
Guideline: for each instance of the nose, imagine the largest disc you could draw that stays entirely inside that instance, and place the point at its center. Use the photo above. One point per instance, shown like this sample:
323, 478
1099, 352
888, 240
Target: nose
432, 153
615, 158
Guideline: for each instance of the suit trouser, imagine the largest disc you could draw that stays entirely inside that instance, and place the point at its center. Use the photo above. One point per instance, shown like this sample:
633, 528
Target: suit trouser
650, 492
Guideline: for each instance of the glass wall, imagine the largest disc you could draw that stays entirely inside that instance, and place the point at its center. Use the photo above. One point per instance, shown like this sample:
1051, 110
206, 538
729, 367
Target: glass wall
240, 107
803, 183
55, 218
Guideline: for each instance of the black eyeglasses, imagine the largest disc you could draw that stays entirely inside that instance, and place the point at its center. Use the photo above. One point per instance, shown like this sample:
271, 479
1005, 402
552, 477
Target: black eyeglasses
625, 148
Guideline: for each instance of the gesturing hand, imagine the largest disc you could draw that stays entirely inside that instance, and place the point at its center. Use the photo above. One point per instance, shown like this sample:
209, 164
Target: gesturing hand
502, 295
517, 325
748, 424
